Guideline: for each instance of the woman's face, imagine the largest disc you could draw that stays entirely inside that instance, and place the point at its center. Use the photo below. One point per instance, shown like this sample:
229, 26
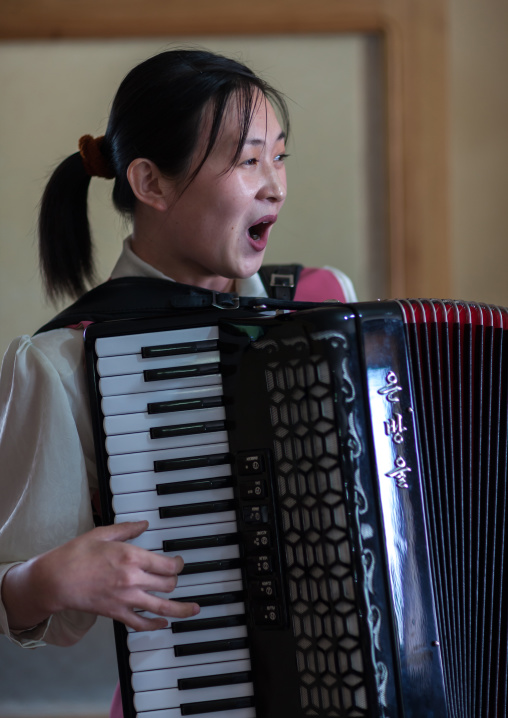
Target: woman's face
218, 229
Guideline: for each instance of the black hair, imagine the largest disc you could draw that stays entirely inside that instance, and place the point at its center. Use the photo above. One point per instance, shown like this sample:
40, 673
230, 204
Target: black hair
157, 114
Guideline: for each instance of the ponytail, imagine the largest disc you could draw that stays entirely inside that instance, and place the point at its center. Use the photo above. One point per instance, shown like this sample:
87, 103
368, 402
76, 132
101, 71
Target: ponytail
65, 243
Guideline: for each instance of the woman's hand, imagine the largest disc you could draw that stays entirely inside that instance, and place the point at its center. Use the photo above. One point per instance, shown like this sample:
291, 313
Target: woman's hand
97, 573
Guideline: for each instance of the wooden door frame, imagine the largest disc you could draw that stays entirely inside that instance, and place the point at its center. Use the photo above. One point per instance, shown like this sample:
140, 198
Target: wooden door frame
415, 41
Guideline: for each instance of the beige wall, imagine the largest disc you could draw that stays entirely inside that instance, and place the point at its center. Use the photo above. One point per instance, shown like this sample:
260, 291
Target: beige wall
479, 149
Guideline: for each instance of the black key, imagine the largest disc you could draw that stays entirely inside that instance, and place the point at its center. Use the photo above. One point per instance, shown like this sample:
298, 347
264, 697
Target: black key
206, 507
180, 372
214, 599
183, 487
193, 542
197, 649
204, 427
164, 407
168, 350
223, 564
225, 679
226, 704
208, 624
191, 462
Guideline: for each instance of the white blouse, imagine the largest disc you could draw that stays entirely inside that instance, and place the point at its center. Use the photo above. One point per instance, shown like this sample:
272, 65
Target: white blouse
47, 458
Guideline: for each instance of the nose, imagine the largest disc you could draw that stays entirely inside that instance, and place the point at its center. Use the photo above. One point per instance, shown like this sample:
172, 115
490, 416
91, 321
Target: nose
274, 187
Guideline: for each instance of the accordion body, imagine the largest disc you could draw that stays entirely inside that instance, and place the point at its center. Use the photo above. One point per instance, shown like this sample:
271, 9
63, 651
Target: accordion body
347, 501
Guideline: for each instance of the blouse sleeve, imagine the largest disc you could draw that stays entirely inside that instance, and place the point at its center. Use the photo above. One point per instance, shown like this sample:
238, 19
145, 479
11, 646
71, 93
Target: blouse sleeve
47, 468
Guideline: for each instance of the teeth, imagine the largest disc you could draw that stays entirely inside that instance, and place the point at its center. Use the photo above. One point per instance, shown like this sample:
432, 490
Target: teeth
255, 236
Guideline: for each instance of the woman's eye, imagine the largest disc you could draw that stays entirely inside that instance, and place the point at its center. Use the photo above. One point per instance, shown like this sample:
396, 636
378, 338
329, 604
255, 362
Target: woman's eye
281, 157
251, 161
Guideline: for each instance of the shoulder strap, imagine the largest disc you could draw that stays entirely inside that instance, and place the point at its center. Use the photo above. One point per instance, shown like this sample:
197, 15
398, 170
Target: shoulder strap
280, 280
143, 297
135, 298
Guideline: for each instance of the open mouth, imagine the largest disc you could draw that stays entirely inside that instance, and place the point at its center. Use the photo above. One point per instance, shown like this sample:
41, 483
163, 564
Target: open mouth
256, 231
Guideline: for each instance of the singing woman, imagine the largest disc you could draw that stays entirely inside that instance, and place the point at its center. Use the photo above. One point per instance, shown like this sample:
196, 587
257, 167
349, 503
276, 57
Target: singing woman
195, 144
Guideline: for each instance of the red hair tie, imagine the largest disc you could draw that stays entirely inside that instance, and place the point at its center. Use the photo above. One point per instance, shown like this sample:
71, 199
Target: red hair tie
94, 161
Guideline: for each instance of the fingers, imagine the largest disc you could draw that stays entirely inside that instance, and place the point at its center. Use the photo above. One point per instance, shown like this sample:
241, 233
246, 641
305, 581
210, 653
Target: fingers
162, 565
152, 619
138, 622
122, 531
153, 582
147, 560
98, 572
171, 609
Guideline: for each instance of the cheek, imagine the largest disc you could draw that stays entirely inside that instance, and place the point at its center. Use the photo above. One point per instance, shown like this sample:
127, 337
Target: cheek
232, 209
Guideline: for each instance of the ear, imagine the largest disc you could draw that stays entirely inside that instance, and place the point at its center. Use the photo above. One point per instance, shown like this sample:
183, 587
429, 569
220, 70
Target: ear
148, 184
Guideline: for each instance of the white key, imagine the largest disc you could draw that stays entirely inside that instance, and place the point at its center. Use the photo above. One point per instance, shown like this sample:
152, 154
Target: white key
134, 363
193, 580
168, 677
172, 697
149, 480
165, 658
156, 640
134, 403
143, 421
149, 500
143, 461
134, 443
155, 522
135, 383
176, 713
133, 343
153, 539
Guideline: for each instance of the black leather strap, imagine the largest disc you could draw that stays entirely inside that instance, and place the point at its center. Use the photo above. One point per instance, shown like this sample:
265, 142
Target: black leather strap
142, 297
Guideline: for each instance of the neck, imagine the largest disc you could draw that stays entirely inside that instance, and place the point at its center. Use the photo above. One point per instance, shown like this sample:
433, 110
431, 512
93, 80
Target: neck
151, 243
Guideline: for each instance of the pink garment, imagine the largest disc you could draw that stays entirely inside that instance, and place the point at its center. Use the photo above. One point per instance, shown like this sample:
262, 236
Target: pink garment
116, 710
80, 325
318, 285
314, 285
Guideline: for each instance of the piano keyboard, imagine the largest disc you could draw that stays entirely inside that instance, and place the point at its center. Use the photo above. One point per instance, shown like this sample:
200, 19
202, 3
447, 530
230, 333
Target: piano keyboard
168, 459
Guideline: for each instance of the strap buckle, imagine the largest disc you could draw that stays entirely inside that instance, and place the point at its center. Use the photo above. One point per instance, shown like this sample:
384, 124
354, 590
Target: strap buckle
282, 280
222, 300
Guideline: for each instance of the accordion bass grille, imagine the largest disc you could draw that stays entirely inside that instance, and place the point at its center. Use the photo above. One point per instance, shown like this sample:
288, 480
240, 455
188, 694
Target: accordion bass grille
319, 567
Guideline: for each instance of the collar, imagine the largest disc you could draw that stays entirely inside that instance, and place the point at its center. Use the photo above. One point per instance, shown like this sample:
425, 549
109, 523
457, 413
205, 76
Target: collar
130, 265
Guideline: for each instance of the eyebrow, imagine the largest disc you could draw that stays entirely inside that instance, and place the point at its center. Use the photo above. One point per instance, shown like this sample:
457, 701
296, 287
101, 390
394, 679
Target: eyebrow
256, 142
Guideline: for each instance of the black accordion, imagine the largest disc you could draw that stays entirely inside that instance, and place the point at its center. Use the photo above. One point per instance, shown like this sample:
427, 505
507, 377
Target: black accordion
335, 481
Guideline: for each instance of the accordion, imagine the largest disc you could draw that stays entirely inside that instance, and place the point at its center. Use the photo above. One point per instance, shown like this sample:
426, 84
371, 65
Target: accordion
335, 481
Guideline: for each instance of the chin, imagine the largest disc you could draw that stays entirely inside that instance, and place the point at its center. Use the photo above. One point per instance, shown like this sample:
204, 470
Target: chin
249, 268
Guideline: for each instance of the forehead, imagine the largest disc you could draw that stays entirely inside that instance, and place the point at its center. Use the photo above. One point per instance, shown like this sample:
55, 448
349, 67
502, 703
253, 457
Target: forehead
263, 125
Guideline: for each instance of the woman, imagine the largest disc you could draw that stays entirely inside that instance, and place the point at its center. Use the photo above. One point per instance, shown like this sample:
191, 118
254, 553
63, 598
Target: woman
197, 153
